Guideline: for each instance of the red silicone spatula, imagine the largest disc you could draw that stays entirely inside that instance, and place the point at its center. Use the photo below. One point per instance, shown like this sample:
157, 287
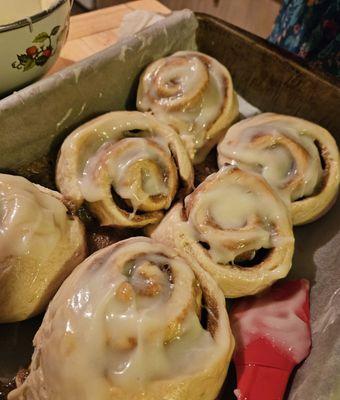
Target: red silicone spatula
272, 333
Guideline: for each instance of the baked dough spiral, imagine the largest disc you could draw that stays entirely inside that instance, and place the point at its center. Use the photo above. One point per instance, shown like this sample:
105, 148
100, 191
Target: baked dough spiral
297, 157
126, 166
126, 325
40, 244
237, 228
194, 94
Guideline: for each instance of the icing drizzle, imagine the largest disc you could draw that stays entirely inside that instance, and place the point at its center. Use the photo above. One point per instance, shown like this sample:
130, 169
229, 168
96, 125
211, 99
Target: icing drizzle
31, 221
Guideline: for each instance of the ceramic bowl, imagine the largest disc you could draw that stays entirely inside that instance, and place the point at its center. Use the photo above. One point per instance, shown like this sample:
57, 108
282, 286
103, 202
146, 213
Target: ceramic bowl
29, 47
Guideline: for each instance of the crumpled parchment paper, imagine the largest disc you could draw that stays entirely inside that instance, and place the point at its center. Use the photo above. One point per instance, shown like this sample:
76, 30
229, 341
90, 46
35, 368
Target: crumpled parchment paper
137, 20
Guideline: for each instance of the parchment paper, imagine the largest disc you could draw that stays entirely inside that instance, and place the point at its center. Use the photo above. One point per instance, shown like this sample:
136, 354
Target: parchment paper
35, 120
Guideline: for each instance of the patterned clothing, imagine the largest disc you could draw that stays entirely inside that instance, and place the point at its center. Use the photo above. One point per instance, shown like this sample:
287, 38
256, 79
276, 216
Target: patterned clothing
311, 29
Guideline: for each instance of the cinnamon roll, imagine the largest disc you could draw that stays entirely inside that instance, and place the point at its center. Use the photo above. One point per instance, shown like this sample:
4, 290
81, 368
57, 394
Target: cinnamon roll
194, 94
127, 166
297, 157
236, 227
40, 244
126, 325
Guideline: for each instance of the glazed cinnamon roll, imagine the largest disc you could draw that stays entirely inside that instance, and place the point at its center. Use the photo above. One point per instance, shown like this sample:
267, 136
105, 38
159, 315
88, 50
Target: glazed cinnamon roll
297, 157
127, 166
194, 94
127, 325
236, 227
40, 244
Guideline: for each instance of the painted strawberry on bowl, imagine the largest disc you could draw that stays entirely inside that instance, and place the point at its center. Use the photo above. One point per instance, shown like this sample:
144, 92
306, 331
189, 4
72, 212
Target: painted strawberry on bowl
38, 56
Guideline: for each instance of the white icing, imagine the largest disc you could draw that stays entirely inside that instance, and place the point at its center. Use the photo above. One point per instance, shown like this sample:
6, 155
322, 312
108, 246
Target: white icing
152, 186
147, 181
105, 337
186, 90
65, 117
31, 222
235, 216
276, 320
230, 206
286, 157
126, 165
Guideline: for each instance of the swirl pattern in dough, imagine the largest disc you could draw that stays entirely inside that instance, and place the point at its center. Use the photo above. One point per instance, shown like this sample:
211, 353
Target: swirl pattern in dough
126, 325
236, 227
40, 244
127, 166
297, 157
194, 94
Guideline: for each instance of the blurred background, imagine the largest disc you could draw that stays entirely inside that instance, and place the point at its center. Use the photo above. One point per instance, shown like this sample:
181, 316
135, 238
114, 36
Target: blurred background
255, 16
308, 28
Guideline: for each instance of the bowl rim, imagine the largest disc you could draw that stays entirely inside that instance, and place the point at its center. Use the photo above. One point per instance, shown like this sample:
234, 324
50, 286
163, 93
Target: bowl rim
32, 19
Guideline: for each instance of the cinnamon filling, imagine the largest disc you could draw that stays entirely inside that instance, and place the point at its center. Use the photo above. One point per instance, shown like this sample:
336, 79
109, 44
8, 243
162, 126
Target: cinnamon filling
253, 258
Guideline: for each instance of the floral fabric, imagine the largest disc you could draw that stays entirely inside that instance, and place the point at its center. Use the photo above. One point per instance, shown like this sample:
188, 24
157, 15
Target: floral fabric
311, 29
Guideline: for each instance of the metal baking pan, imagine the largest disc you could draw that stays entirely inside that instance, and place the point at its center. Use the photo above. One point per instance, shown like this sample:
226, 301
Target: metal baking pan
34, 121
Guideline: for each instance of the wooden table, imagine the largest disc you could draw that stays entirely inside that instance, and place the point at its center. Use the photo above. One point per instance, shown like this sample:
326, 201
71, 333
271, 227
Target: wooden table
94, 31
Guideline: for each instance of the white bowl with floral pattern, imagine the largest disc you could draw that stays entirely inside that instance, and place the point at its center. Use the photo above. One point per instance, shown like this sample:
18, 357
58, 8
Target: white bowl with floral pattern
30, 46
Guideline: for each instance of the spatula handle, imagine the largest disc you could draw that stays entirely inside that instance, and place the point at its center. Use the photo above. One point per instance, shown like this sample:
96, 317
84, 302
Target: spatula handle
257, 382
